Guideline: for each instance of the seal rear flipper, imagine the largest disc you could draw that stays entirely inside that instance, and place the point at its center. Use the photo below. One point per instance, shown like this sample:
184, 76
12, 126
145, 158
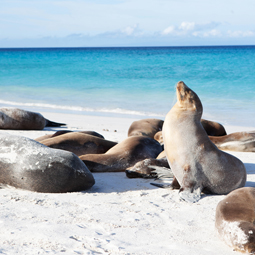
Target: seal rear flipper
50, 123
162, 185
161, 172
134, 174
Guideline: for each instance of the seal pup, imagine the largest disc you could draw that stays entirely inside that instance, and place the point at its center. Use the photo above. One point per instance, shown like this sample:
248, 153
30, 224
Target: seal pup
145, 127
79, 143
197, 164
15, 118
234, 220
213, 128
239, 141
123, 155
29, 165
61, 132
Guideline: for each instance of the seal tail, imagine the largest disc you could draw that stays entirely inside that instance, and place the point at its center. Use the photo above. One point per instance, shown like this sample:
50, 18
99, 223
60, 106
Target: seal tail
50, 123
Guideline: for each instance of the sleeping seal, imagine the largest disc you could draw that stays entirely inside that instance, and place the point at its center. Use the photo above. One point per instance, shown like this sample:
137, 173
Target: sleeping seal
27, 164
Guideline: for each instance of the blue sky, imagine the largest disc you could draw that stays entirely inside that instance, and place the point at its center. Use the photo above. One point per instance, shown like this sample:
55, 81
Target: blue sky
82, 23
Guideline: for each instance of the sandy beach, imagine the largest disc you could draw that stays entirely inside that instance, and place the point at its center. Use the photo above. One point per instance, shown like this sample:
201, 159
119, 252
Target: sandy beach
117, 215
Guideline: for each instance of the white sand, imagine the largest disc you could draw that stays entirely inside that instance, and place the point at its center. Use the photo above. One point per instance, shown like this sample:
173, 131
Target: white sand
116, 216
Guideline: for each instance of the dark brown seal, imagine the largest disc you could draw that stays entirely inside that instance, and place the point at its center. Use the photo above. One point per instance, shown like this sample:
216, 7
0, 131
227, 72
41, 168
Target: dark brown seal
61, 132
27, 164
196, 162
213, 128
235, 217
79, 143
145, 127
14, 118
123, 155
239, 141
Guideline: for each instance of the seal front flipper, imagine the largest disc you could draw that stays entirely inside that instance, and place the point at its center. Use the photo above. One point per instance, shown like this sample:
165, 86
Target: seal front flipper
190, 194
50, 123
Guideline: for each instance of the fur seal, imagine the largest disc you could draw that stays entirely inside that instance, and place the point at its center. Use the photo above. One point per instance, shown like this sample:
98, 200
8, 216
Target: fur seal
145, 127
14, 118
79, 143
61, 132
29, 165
196, 162
234, 220
213, 128
123, 155
239, 141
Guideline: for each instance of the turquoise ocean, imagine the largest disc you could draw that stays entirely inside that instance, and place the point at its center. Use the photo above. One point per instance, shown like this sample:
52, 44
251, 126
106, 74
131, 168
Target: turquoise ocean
130, 82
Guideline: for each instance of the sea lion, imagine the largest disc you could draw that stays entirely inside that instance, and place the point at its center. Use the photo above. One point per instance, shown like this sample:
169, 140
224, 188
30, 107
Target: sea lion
61, 132
213, 128
234, 220
79, 143
29, 165
145, 127
239, 141
14, 118
123, 155
196, 162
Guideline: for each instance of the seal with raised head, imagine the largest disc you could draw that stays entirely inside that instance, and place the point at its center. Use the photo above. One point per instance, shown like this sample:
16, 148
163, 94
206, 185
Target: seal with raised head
238, 141
123, 155
234, 220
197, 164
79, 143
145, 127
27, 164
15, 118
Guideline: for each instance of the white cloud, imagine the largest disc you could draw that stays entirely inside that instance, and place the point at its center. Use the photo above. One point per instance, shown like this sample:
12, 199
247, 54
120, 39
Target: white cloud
131, 30
192, 29
187, 26
240, 33
169, 30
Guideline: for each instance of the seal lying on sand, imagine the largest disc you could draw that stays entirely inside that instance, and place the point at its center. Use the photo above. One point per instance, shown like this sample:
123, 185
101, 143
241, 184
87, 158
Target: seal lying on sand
145, 127
123, 155
14, 118
195, 161
79, 143
235, 217
61, 132
239, 141
213, 128
27, 164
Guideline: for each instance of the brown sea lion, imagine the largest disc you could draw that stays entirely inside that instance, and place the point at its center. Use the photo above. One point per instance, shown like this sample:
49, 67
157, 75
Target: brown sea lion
79, 143
239, 141
235, 217
61, 132
14, 118
196, 162
27, 164
213, 128
123, 155
145, 127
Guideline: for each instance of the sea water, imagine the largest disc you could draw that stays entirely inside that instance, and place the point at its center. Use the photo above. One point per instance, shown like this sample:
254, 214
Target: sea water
133, 81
